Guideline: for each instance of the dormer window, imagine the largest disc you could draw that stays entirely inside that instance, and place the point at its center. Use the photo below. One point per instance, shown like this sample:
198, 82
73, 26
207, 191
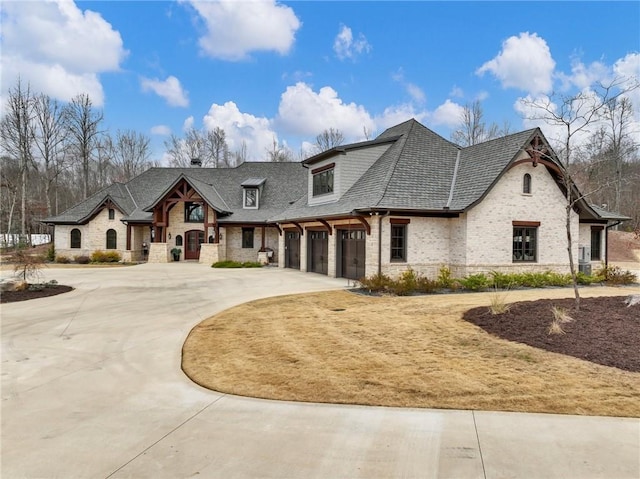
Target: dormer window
251, 197
251, 190
323, 180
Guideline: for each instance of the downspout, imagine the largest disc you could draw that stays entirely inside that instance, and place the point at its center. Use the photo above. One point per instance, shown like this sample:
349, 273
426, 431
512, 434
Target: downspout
380, 240
453, 180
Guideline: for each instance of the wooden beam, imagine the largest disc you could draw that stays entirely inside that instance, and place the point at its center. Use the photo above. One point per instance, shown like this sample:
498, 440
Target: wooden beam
128, 237
364, 222
300, 229
327, 225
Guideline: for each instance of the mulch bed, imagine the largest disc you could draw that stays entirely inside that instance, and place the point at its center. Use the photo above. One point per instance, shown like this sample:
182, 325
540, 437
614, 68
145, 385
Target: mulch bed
13, 296
605, 331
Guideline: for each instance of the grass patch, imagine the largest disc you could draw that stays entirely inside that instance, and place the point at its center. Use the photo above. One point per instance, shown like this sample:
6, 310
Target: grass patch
416, 351
236, 264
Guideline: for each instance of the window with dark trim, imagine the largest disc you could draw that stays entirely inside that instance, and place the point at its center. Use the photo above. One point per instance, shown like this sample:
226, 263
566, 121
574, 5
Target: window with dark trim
525, 244
596, 241
251, 197
112, 239
399, 243
323, 180
76, 238
193, 212
179, 240
247, 237
112, 214
526, 183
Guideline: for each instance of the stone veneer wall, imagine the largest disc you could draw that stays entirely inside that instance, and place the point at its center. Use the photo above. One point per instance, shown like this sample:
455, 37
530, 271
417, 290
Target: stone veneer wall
159, 253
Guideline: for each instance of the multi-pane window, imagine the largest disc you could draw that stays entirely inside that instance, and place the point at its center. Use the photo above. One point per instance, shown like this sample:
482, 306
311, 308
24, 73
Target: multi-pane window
76, 238
112, 239
193, 212
596, 241
525, 246
112, 214
526, 183
323, 182
398, 242
247, 237
251, 197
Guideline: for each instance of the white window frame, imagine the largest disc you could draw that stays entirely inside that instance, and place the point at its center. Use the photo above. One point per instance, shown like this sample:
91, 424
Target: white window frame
244, 198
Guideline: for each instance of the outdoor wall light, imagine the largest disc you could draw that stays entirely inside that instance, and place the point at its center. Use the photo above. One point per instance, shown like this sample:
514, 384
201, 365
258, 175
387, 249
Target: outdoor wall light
169, 235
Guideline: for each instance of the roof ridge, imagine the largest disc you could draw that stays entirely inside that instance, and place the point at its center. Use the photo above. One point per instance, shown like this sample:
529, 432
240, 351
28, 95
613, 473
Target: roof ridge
391, 171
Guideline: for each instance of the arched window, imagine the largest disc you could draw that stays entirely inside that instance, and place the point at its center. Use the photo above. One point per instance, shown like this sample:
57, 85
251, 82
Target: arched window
76, 238
526, 183
179, 240
112, 239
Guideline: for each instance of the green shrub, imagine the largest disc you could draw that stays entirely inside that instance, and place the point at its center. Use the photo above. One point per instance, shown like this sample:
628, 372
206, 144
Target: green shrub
51, 253
501, 280
406, 284
445, 279
588, 279
426, 285
62, 259
82, 259
236, 264
105, 257
475, 282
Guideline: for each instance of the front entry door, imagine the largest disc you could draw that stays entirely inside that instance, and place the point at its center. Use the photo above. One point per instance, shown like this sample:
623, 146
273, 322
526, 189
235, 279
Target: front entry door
292, 249
193, 240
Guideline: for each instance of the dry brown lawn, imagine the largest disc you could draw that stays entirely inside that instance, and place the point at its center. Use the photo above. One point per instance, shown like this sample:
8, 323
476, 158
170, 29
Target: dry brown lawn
342, 347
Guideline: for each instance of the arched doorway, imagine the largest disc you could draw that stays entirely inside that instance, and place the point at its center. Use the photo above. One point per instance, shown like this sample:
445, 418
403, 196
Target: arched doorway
193, 239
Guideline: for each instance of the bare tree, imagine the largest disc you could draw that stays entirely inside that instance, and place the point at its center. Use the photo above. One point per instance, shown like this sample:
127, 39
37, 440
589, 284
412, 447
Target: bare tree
473, 129
216, 149
328, 139
82, 122
575, 115
16, 132
278, 153
49, 135
240, 155
129, 155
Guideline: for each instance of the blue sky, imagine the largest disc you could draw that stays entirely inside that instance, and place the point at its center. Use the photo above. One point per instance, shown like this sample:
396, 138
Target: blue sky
286, 70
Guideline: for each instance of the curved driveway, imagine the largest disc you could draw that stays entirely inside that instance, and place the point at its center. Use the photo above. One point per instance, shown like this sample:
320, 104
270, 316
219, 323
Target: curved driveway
92, 388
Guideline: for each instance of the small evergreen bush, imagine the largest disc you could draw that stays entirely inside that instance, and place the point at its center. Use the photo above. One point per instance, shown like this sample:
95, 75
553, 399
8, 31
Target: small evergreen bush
475, 282
105, 257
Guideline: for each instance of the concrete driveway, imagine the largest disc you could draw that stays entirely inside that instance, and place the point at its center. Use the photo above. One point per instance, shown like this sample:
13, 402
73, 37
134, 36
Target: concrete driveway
92, 388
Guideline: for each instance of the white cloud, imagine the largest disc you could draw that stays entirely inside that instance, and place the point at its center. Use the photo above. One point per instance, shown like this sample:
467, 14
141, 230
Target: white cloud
346, 47
235, 28
524, 62
169, 89
58, 48
414, 91
255, 132
188, 123
307, 113
457, 92
396, 114
160, 130
583, 76
628, 68
448, 114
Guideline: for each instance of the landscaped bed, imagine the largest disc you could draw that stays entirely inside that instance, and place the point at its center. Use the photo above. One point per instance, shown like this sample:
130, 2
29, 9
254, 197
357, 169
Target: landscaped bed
418, 351
34, 293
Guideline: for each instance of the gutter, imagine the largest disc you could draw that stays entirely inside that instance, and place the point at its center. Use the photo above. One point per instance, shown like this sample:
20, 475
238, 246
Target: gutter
606, 248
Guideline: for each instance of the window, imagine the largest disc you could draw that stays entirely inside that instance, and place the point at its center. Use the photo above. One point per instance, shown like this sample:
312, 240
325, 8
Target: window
76, 238
193, 212
323, 180
398, 242
112, 214
251, 197
112, 239
526, 184
596, 241
179, 240
247, 237
525, 244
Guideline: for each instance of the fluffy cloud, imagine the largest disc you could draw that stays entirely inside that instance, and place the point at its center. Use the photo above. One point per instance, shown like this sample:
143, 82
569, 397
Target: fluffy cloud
414, 91
524, 62
448, 114
58, 48
169, 89
396, 114
160, 130
234, 29
346, 47
307, 113
255, 132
